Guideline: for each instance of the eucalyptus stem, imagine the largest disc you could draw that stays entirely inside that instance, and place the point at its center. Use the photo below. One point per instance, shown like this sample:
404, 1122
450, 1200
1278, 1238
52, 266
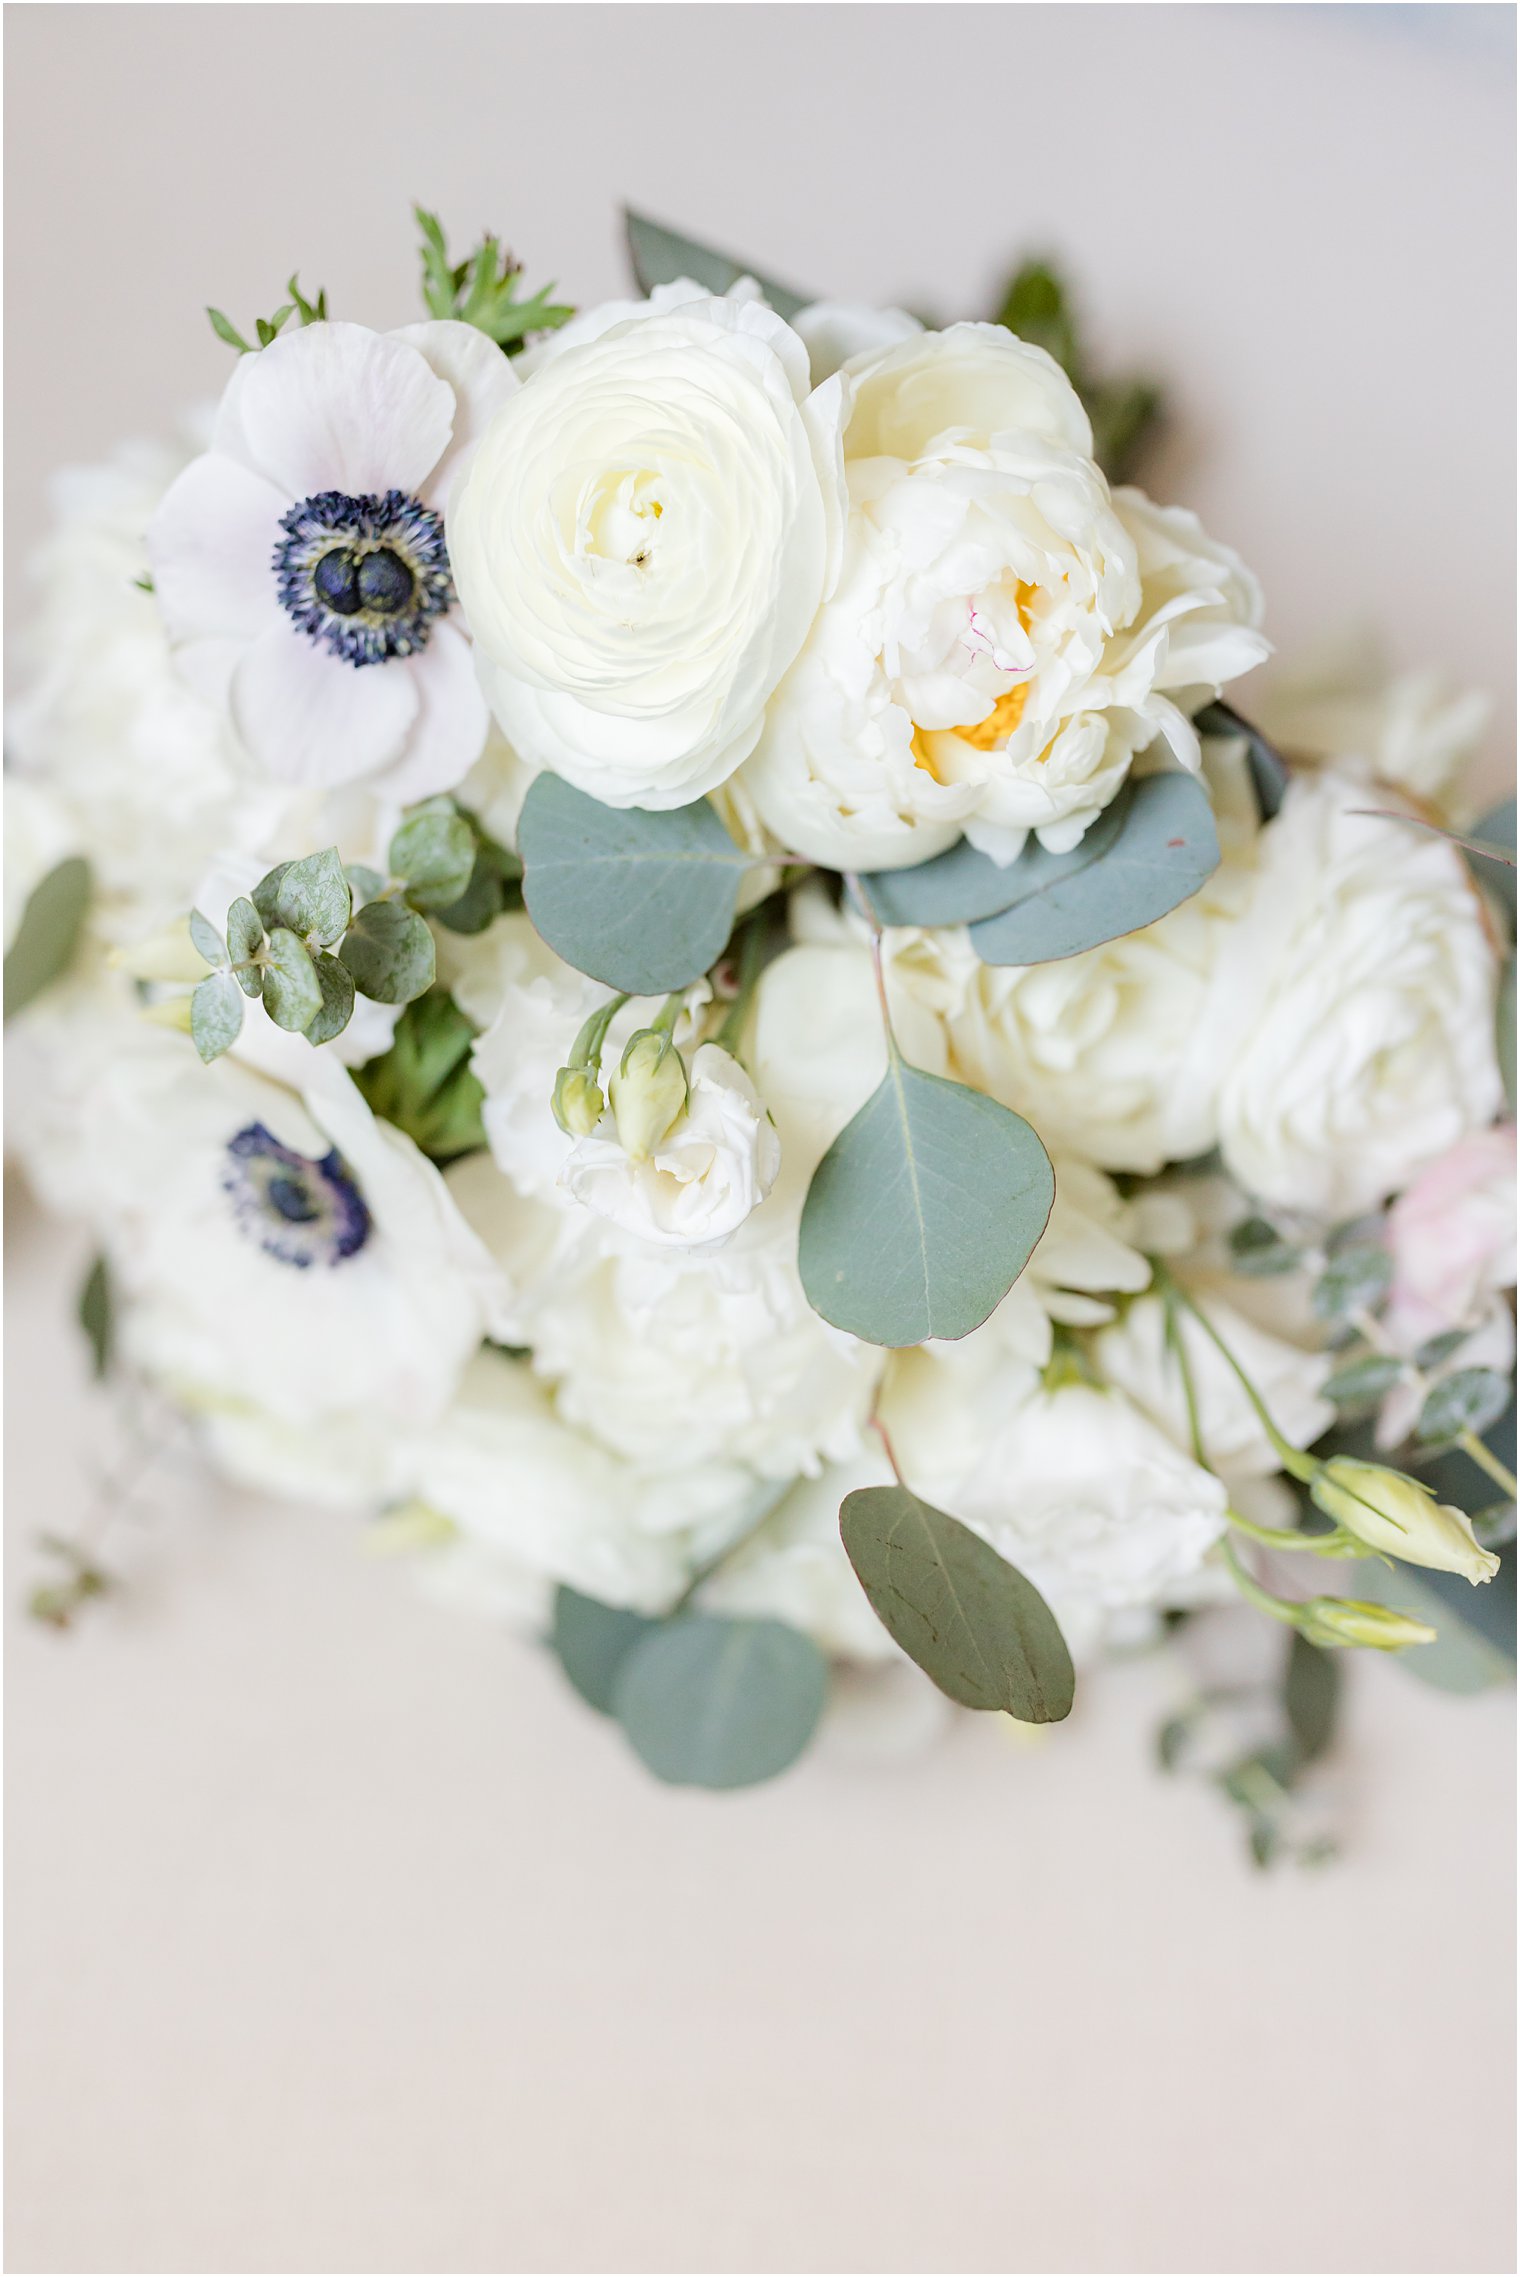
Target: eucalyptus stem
1472, 1446
752, 942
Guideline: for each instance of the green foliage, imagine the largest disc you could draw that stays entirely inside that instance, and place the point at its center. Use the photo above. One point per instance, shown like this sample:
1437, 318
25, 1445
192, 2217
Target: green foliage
924, 1211
49, 932
216, 1015
1157, 845
1504, 1030
424, 1084
1364, 1381
267, 328
97, 1315
310, 898
389, 951
336, 983
494, 884
643, 901
1357, 1278
482, 289
206, 940
433, 854
593, 1641
1270, 774
661, 257
245, 942
711, 1702
1256, 1247
1469, 1399
1124, 412
58, 1603
972, 1622
1311, 1697
292, 991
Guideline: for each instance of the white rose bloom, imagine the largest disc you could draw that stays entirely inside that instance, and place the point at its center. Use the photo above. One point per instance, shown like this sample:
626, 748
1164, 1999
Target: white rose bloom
643, 540
1412, 729
1075, 1486
1134, 1354
794, 1568
1112, 1055
702, 1180
1005, 635
1362, 991
302, 566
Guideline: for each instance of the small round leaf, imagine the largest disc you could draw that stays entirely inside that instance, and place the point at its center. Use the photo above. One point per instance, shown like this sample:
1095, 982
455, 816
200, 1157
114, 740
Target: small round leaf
390, 952
708, 1702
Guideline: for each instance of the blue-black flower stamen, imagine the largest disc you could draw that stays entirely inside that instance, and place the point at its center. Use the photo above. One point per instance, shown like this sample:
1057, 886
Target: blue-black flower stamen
365, 577
299, 1210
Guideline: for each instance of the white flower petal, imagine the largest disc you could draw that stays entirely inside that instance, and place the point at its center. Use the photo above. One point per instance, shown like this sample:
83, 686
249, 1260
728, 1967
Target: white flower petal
210, 548
310, 718
338, 407
450, 729
481, 378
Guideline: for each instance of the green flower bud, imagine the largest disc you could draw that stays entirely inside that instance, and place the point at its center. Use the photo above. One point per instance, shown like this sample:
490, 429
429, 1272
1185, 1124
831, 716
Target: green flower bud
578, 1103
648, 1092
1400, 1517
1346, 1621
169, 955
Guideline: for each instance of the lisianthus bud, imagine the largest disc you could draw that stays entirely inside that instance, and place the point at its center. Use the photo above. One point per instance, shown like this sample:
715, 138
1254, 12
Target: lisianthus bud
1347, 1621
1397, 1515
648, 1092
169, 955
577, 1102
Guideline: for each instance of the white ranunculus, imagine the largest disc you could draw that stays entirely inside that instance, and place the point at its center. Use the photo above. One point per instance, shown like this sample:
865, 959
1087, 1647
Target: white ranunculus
1362, 991
1413, 729
1074, 1486
835, 332
702, 1180
643, 540
1134, 1353
302, 566
1112, 1055
1005, 635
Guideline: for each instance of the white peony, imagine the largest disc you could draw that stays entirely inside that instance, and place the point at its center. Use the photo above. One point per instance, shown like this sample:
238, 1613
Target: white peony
1005, 635
1412, 729
302, 565
1362, 992
644, 538
710, 1171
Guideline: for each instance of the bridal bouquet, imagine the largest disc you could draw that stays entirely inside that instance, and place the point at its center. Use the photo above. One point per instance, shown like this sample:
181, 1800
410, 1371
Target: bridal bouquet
649, 945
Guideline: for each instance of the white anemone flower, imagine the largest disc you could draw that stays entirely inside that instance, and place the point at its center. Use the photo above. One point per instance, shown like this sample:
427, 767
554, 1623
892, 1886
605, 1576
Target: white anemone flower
302, 567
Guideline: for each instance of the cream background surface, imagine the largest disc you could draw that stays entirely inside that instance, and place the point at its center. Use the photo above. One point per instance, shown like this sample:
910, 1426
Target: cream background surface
340, 1937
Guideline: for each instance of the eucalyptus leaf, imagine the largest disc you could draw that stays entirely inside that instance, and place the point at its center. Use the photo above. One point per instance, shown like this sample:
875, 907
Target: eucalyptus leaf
266, 895
1440, 1347
245, 938
292, 991
924, 1211
1311, 1697
206, 940
662, 256
1504, 1030
1270, 774
97, 1315
1363, 1381
433, 854
367, 884
48, 934
1164, 846
592, 1641
643, 901
962, 886
390, 952
711, 1702
1356, 1278
1469, 1399
495, 884
216, 1015
971, 1621
1493, 844
337, 985
310, 898
424, 1084
1256, 1247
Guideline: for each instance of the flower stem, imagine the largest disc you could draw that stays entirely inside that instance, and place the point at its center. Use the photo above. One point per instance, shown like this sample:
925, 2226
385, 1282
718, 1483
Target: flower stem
1297, 1464
1472, 1446
1253, 1592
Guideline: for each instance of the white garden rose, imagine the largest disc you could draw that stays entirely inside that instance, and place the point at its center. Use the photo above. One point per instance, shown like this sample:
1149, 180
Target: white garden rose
1413, 729
1362, 992
701, 1180
643, 540
1112, 1055
1005, 635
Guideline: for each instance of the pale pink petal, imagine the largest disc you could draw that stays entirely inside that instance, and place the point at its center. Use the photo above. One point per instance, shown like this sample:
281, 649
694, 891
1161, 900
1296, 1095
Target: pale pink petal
450, 728
211, 548
312, 719
338, 407
481, 378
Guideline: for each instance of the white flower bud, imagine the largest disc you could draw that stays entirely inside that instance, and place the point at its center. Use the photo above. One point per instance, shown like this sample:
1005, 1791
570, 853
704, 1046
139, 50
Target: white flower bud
648, 1092
1348, 1621
1400, 1517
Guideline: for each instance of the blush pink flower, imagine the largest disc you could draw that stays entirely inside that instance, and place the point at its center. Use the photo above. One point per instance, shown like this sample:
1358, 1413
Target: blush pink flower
1452, 1234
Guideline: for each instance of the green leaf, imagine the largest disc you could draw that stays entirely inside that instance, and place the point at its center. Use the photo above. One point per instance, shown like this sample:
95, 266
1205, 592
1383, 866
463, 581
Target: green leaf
310, 897
1036, 307
971, 1621
245, 939
1124, 418
1163, 848
367, 884
337, 985
226, 330
643, 901
390, 952
1363, 1382
924, 1211
1439, 1348
266, 894
482, 289
962, 886
97, 1315
206, 940
1469, 1399
1256, 1247
1311, 1697
1270, 775
495, 884
593, 1641
1504, 1024
292, 991
661, 256
216, 1015
433, 854
1356, 1279
48, 933
710, 1702
424, 1084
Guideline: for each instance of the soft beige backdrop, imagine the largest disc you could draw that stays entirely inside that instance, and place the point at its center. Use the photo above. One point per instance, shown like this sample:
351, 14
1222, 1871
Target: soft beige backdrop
340, 1937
